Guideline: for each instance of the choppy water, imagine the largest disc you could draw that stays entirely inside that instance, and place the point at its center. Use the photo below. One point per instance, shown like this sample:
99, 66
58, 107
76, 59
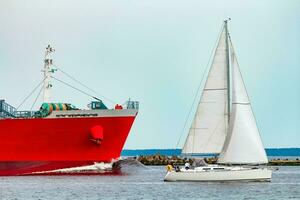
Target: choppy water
140, 182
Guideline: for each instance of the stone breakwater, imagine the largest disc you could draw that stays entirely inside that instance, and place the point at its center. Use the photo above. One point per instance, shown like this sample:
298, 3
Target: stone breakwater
165, 160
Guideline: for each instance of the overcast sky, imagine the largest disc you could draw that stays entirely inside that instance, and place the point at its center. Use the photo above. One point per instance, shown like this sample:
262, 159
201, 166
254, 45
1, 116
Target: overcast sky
155, 51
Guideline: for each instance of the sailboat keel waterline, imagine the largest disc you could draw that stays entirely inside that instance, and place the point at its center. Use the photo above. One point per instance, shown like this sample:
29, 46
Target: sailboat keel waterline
220, 173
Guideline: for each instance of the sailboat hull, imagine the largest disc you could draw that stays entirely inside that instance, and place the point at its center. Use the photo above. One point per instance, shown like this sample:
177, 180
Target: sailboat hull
221, 174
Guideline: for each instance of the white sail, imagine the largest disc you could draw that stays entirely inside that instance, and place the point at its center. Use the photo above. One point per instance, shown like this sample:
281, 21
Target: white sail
209, 127
243, 144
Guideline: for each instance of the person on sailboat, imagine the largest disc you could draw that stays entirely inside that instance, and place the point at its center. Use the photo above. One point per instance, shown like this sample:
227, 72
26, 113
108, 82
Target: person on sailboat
177, 168
169, 168
187, 166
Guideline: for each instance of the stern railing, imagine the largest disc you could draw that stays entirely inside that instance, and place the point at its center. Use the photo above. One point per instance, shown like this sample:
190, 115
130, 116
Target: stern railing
132, 105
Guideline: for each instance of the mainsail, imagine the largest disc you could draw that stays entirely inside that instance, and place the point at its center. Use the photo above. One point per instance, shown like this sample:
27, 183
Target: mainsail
208, 130
243, 144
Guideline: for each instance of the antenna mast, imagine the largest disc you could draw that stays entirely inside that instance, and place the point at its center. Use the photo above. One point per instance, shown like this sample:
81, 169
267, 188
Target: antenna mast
48, 70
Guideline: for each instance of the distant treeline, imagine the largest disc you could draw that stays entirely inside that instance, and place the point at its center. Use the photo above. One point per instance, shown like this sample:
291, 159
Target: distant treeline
170, 152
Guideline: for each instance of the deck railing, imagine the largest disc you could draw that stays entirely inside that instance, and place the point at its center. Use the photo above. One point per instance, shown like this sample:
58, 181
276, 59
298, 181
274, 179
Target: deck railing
132, 105
8, 111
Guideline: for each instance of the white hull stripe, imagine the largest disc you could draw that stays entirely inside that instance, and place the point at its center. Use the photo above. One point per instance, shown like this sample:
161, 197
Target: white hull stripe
93, 113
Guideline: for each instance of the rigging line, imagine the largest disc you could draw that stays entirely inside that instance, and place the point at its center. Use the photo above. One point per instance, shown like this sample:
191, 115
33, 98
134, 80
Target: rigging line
79, 82
125, 102
199, 86
30, 93
36, 99
76, 88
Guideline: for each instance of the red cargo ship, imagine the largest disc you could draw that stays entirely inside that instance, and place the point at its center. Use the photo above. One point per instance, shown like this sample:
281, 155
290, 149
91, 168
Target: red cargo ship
60, 136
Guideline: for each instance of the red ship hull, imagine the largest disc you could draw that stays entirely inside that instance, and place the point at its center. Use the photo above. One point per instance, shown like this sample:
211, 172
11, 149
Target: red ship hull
28, 146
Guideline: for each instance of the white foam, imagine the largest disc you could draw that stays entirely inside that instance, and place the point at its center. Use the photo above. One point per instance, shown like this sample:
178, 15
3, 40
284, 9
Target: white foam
96, 167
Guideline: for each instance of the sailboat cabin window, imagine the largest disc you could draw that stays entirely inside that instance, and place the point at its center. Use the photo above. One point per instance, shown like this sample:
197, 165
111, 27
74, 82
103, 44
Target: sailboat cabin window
218, 168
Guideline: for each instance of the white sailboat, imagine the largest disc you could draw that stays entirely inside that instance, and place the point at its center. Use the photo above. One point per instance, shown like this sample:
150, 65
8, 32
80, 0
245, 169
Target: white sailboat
224, 124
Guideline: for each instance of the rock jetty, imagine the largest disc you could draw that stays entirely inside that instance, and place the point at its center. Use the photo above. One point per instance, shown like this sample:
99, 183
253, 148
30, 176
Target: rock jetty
165, 160
284, 162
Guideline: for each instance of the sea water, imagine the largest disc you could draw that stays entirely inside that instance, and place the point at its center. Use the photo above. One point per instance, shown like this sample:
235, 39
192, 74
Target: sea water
143, 182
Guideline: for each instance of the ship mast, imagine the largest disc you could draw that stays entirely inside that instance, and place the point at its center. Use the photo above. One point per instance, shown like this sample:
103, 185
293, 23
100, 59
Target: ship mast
48, 70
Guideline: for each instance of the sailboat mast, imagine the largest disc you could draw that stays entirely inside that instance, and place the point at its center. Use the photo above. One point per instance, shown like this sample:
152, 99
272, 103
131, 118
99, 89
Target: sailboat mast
228, 70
